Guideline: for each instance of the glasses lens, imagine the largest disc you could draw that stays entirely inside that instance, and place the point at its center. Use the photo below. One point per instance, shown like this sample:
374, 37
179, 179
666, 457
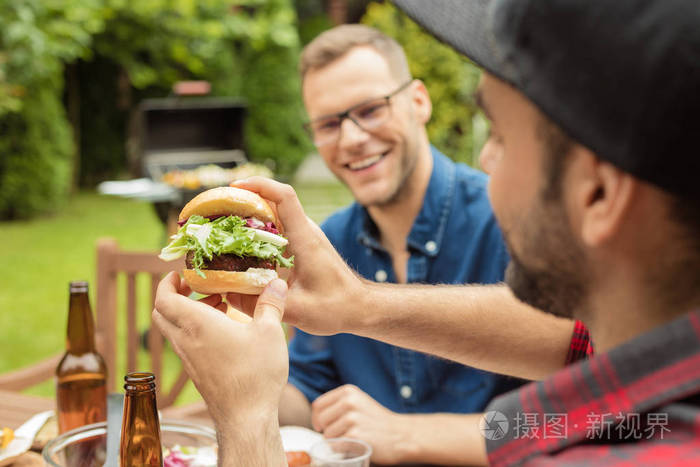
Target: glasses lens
325, 131
371, 114
367, 116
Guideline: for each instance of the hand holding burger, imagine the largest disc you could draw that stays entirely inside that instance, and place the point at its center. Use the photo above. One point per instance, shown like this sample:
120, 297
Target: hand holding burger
231, 242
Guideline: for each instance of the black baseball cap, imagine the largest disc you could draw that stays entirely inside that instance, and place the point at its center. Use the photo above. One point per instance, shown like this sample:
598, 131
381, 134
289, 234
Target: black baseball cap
620, 77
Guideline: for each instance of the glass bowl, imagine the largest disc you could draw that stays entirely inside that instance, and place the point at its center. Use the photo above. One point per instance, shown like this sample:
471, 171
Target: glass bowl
85, 446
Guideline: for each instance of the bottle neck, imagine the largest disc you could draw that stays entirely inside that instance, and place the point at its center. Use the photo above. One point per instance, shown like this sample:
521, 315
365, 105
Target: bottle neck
142, 405
81, 327
140, 436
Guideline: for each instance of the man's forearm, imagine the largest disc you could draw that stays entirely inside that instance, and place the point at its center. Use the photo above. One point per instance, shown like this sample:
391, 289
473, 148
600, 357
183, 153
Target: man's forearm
443, 439
253, 442
294, 408
484, 327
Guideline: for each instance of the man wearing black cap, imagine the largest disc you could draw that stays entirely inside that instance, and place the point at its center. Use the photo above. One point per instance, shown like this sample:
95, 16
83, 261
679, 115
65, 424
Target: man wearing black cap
592, 155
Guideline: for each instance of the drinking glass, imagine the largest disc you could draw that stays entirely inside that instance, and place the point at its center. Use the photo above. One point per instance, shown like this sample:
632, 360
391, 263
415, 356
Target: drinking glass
340, 452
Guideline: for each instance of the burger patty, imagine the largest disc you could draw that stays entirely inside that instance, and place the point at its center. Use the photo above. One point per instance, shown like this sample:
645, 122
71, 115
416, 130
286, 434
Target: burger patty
231, 262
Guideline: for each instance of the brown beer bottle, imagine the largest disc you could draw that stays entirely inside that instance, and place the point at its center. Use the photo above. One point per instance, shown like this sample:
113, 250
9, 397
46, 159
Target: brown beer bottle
140, 441
81, 376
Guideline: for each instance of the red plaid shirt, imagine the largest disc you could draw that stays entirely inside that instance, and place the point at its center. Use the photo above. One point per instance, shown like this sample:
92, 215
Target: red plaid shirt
581, 346
638, 404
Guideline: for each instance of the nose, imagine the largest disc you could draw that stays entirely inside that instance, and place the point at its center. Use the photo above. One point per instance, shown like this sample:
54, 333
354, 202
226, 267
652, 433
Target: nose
351, 134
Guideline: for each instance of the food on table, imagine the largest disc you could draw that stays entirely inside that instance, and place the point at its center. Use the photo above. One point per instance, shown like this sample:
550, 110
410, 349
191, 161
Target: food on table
230, 240
209, 176
6, 437
298, 458
188, 456
47, 432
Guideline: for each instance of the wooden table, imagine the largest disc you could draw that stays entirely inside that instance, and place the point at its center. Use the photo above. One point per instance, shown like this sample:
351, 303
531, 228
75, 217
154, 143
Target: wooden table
16, 408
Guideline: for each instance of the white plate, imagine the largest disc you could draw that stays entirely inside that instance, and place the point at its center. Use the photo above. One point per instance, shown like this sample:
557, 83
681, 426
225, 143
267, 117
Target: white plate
24, 436
298, 438
143, 188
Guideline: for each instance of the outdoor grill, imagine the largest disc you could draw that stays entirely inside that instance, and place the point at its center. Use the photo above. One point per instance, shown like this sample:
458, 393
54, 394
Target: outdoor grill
182, 133
186, 132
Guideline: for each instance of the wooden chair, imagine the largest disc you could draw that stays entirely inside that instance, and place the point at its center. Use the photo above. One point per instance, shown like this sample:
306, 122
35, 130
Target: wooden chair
111, 263
24, 378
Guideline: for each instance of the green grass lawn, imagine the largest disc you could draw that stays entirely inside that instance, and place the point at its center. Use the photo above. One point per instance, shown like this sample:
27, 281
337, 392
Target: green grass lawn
39, 258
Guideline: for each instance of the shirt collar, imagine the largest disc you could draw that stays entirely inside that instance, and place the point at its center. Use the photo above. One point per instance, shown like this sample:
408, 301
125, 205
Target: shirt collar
643, 373
428, 229
640, 376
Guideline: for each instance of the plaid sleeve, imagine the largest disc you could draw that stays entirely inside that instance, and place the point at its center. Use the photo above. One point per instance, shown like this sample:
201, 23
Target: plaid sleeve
581, 345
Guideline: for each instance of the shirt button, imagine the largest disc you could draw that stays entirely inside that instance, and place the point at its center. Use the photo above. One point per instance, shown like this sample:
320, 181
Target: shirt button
380, 275
406, 391
431, 246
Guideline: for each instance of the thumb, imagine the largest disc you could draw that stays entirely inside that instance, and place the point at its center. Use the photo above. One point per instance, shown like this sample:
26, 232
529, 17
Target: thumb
271, 302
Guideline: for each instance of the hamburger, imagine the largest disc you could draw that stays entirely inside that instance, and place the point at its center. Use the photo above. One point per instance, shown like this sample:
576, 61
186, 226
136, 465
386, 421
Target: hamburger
231, 242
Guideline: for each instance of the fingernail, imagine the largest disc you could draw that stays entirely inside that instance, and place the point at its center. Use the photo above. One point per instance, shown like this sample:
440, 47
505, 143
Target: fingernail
278, 288
238, 182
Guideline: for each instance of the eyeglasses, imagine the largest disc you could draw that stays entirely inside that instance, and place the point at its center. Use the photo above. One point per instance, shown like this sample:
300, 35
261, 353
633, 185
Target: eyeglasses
367, 115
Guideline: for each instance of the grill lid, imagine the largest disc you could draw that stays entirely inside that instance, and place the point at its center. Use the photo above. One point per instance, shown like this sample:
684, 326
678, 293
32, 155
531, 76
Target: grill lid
183, 133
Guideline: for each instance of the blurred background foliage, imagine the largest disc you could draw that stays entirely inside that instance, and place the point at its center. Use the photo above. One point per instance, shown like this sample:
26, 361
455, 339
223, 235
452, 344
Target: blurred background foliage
36, 149
86, 64
72, 73
456, 127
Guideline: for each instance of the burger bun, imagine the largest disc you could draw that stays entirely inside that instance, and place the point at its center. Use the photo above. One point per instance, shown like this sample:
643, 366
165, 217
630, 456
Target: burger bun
227, 200
250, 282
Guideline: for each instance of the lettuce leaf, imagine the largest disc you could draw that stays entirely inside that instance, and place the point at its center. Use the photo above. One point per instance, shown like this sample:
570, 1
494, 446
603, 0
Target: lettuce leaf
224, 235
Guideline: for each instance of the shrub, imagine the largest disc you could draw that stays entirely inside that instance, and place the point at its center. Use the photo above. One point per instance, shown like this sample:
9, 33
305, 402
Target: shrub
36, 144
266, 66
36, 151
246, 48
456, 126
274, 130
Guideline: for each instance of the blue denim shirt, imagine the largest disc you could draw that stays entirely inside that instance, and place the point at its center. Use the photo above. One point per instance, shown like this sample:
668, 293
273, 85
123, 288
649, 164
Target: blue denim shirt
454, 240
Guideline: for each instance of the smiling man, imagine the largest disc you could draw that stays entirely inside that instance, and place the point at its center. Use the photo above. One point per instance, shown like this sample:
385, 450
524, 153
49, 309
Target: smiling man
593, 162
418, 218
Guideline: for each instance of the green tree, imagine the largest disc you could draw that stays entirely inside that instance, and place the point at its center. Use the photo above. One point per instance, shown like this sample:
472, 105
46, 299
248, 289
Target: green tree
245, 48
272, 87
36, 147
456, 127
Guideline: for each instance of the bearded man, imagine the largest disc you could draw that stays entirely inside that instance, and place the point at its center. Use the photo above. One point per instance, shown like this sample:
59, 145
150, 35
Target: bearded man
594, 114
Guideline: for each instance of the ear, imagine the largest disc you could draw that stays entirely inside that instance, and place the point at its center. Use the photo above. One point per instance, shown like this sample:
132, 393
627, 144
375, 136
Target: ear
604, 195
422, 104
489, 156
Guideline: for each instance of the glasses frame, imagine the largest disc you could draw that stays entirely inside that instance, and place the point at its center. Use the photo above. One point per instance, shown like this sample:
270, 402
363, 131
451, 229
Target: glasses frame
346, 114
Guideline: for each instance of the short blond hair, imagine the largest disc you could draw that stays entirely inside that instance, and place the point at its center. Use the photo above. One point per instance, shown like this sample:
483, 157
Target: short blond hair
334, 43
